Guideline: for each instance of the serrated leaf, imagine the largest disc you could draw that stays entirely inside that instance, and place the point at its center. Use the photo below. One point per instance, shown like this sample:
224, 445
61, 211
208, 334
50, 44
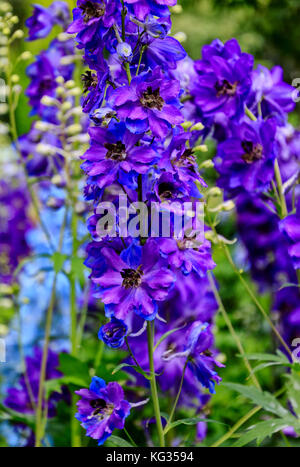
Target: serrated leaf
266, 357
263, 399
116, 441
262, 430
135, 367
190, 421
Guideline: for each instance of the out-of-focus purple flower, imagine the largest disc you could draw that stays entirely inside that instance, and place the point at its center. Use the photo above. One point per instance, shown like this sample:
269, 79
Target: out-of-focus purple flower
201, 362
187, 255
273, 94
113, 333
266, 245
14, 225
143, 8
92, 19
43, 19
291, 227
134, 281
245, 160
23, 399
43, 73
102, 409
224, 79
113, 151
150, 102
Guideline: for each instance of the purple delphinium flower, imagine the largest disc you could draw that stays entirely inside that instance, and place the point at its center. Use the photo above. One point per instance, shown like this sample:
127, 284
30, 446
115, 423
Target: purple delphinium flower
102, 409
113, 333
134, 281
143, 8
224, 81
43, 73
187, 255
14, 225
291, 227
201, 362
245, 161
273, 94
92, 19
150, 102
266, 246
20, 399
43, 19
113, 151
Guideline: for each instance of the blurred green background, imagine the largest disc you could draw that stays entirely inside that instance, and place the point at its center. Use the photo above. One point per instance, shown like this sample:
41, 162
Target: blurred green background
269, 29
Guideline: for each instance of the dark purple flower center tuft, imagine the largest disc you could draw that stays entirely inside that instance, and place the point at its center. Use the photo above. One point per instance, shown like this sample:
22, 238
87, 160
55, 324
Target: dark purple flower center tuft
166, 190
225, 88
132, 278
187, 159
116, 152
152, 99
253, 152
89, 80
92, 10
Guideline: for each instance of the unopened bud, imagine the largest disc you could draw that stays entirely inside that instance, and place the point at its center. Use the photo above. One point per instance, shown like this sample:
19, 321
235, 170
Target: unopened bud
180, 36
197, 127
186, 125
74, 129
201, 148
207, 164
26, 55
214, 191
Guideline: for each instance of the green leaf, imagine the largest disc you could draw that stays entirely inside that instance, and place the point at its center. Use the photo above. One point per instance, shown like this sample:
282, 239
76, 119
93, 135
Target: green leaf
264, 399
264, 365
294, 391
15, 417
77, 269
58, 261
267, 357
115, 441
74, 370
167, 334
190, 421
262, 430
138, 369
53, 385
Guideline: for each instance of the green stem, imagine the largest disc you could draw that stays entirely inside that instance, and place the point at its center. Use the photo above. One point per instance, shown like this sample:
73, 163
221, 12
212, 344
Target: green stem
284, 211
231, 329
176, 400
128, 73
250, 114
129, 437
154, 393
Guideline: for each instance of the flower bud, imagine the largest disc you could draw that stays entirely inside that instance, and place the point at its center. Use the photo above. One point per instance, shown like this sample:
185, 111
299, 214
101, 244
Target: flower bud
124, 52
113, 333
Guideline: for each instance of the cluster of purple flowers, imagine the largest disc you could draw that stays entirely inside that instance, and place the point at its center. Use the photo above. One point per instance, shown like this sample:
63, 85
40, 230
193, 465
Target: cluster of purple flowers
247, 112
139, 148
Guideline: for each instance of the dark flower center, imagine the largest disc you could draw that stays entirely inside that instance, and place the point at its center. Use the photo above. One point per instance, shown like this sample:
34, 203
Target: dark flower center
187, 159
116, 152
114, 330
132, 278
225, 88
89, 80
99, 405
92, 10
253, 152
152, 99
166, 190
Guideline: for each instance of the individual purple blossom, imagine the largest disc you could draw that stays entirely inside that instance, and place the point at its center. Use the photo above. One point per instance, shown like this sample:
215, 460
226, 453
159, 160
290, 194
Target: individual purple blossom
224, 79
43, 19
92, 19
201, 362
142, 8
102, 409
187, 254
134, 281
291, 227
113, 333
114, 151
245, 161
271, 93
149, 102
